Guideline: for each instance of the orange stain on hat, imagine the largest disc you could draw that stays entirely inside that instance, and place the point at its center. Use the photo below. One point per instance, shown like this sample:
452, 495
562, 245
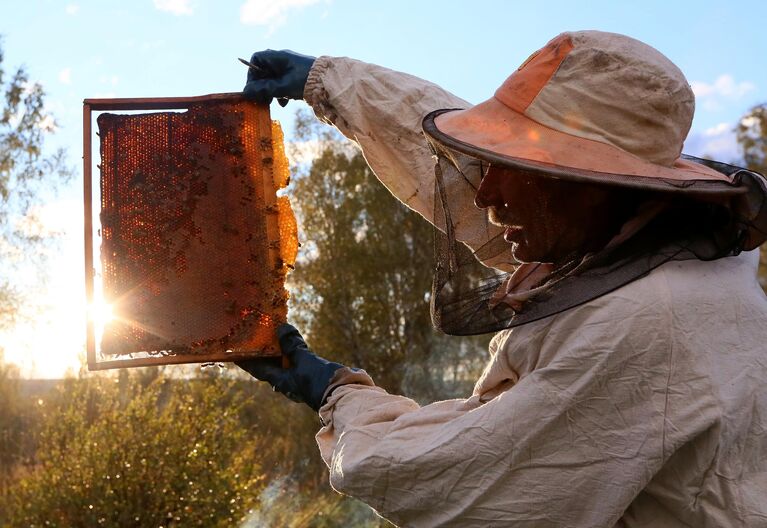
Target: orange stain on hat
605, 106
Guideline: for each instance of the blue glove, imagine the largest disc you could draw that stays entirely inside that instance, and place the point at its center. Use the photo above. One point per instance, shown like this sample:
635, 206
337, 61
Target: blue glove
281, 74
308, 377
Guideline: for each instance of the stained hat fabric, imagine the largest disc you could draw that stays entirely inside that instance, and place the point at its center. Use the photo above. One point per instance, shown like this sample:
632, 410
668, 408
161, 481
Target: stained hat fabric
596, 104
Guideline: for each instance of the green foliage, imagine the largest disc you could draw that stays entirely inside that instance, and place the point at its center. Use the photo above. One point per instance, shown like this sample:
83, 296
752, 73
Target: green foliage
133, 452
10, 420
18, 426
751, 134
364, 277
283, 505
26, 174
145, 450
361, 288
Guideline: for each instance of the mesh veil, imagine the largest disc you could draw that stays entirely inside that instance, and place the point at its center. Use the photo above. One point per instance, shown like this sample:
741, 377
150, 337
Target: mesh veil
703, 220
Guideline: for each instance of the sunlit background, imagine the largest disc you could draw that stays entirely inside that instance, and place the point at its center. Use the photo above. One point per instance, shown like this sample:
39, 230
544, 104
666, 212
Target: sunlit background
165, 48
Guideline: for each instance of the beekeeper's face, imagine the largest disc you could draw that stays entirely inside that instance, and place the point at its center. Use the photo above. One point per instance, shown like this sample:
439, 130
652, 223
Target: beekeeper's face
546, 219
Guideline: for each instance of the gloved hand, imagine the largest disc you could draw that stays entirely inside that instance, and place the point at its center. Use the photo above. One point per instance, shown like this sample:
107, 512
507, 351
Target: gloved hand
280, 74
308, 377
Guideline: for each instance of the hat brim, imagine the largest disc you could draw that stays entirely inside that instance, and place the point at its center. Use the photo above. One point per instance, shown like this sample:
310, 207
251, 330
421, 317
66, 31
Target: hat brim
493, 132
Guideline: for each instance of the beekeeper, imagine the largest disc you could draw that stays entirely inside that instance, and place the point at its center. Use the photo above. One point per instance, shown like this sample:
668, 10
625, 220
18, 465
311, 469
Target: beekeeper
628, 379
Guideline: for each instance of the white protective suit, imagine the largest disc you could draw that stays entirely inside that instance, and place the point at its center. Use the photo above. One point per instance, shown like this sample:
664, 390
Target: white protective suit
644, 407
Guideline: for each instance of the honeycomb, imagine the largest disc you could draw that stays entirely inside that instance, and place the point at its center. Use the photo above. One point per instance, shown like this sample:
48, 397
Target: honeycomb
196, 243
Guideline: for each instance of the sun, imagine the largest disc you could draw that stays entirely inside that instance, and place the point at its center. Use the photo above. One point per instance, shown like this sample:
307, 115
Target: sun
100, 313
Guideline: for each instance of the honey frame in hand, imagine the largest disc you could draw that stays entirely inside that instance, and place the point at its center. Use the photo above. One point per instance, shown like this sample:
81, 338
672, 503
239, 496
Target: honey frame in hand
193, 241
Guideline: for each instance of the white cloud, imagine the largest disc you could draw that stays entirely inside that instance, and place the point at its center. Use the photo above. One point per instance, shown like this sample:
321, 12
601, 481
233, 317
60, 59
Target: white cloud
72, 9
724, 86
65, 76
723, 89
718, 130
270, 12
717, 143
176, 7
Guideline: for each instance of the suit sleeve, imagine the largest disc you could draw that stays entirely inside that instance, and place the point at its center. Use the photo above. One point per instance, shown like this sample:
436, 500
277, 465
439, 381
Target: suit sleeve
571, 442
381, 110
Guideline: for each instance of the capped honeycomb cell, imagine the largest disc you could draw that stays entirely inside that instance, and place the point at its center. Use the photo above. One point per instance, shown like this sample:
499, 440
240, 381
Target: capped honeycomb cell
195, 243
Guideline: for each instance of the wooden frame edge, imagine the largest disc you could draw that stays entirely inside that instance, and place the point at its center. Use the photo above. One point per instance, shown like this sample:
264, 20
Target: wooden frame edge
159, 103
108, 364
141, 103
90, 339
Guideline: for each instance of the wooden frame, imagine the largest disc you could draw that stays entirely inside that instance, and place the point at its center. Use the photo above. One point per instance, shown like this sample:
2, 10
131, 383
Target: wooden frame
136, 104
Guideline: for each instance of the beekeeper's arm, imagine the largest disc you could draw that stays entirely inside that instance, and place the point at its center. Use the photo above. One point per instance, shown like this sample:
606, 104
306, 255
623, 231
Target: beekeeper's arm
568, 424
381, 110
571, 420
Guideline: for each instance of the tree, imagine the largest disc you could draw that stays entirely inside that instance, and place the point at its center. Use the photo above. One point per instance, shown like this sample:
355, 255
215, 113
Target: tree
180, 451
364, 278
25, 172
18, 427
360, 296
751, 134
141, 450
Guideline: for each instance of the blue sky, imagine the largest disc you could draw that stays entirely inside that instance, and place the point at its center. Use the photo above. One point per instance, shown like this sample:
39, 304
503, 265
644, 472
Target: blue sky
160, 48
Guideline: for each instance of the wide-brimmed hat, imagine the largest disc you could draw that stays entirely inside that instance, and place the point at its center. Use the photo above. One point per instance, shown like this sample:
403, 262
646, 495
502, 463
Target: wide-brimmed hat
588, 106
